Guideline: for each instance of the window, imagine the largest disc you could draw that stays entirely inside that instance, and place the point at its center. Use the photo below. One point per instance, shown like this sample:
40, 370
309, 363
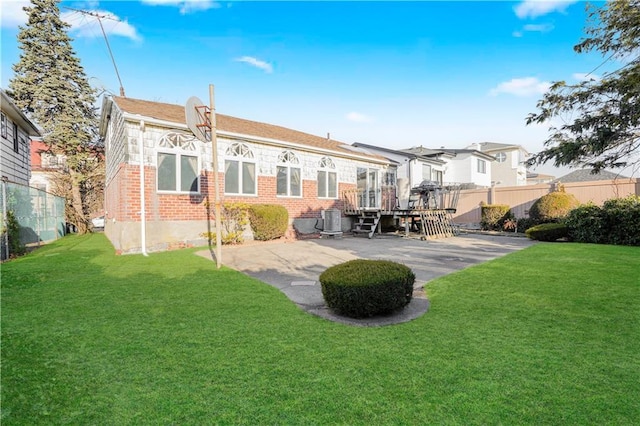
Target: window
16, 144
239, 170
327, 179
367, 185
482, 166
4, 126
437, 176
426, 172
501, 157
289, 177
177, 167
389, 178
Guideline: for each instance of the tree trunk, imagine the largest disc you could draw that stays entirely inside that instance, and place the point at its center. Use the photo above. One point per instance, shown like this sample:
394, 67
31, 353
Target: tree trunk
76, 202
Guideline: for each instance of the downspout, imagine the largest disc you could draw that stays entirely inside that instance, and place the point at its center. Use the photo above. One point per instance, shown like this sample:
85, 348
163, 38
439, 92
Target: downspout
4, 217
143, 213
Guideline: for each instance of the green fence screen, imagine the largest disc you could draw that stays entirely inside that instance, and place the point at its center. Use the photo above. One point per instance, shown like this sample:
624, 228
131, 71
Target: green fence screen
39, 214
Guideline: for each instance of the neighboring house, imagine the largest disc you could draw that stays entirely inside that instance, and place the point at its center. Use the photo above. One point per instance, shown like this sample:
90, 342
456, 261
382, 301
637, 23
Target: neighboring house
16, 131
412, 168
587, 175
509, 168
43, 163
465, 166
149, 142
538, 178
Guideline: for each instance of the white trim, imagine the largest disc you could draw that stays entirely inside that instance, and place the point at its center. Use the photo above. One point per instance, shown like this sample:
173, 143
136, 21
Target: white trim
241, 160
178, 170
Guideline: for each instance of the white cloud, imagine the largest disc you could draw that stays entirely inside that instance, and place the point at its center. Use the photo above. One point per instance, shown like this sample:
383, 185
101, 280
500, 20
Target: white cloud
265, 66
535, 28
583, 76
535, 8
83, 25
186, 6
12, 14
358, 117
526, 86
538, 28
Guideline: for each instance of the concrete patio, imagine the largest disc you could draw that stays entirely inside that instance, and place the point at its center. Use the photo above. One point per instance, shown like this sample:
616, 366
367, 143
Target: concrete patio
294, 267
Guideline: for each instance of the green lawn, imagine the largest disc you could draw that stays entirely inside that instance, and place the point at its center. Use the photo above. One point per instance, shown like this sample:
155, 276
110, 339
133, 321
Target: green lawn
547, 335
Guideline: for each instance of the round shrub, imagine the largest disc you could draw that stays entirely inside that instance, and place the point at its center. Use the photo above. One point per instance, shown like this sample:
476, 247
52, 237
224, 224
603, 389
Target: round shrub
364, 288
268, 221
493, 216
553, 207
547, 232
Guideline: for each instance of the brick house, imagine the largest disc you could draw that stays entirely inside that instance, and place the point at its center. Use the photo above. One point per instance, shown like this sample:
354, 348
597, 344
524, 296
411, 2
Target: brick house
43, 163
257, 163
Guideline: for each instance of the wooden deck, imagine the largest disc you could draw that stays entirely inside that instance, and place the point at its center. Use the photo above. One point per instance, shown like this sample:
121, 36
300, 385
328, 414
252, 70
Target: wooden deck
428, 222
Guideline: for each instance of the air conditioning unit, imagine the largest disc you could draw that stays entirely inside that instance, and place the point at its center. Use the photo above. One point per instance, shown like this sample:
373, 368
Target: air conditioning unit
332, 221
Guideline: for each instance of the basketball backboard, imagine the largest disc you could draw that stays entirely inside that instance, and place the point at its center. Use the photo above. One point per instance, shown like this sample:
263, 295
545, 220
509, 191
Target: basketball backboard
197, 116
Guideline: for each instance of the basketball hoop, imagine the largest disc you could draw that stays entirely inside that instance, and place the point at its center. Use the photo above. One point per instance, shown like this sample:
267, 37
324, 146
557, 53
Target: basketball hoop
197, 116
201, 120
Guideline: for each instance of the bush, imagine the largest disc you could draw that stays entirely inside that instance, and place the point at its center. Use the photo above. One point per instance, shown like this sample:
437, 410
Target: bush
233, 220
268, 221
585, 224
364, 288
616, 222
621, 220
553, 207
12, 231
493, 216
547, 232
525, 223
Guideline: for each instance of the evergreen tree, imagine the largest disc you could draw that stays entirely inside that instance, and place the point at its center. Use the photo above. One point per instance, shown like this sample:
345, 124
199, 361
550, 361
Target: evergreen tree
50, 85
602, 116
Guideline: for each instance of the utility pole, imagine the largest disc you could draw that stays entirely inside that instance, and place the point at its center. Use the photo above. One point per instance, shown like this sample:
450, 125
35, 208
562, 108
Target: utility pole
106, 40
214, 154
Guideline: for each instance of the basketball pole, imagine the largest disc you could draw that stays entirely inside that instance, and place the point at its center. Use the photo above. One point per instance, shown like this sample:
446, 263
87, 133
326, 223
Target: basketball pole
214, 155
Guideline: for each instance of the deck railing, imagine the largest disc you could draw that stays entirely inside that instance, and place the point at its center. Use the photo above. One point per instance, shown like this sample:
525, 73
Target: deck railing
358, 200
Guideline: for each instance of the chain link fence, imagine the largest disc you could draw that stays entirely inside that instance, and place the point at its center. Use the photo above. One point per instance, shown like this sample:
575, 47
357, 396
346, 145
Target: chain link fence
40, 215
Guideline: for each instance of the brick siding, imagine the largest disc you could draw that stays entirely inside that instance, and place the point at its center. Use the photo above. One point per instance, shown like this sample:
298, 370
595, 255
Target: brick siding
122, 194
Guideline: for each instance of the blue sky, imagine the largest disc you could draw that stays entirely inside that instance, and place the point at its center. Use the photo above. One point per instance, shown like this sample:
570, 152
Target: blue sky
393, 74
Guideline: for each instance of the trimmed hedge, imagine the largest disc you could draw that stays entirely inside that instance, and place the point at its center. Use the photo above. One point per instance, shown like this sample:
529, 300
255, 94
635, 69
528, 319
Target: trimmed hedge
616, 222
363, 288
493, 216
268, 221
547, 232
553, 207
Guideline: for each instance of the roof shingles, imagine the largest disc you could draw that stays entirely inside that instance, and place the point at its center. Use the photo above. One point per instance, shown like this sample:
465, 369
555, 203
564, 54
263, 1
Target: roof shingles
225, 123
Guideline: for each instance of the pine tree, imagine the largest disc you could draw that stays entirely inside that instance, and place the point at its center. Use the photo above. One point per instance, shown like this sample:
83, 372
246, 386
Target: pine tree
50, 85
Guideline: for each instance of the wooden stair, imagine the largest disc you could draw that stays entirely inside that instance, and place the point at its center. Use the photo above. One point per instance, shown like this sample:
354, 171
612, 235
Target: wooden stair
436, 224
367, 223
